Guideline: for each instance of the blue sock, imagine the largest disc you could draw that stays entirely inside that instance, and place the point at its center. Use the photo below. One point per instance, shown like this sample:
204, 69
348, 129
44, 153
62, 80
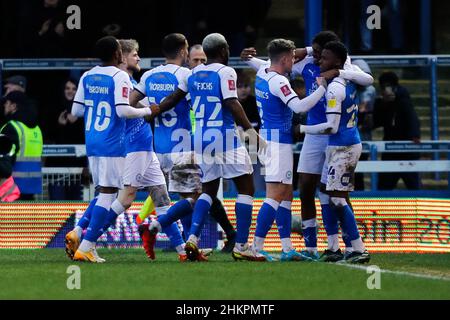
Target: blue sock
330, 220
95, 229
284, 219
243, 209
309, 228
349, 226
345, 238
348, 243
186, 222
174, 234
83, 223
179, 210
266, 216
110, 219
201, 210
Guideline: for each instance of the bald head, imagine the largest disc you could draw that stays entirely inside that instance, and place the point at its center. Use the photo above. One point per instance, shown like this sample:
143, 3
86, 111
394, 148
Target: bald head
196, 56
216, 47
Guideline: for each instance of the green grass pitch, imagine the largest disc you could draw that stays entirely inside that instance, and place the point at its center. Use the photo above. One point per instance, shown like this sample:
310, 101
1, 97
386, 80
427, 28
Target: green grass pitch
127, 274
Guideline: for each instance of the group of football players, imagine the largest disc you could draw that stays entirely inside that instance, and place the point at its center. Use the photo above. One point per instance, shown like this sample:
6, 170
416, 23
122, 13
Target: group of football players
191, 157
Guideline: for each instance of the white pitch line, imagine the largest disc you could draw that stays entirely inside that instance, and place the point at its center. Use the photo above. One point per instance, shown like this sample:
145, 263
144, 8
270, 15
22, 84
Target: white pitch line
401, 273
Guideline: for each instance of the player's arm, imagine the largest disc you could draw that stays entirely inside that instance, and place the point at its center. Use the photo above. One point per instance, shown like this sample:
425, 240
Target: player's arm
280, 87
171, 101
228, 80
139, 91
241, 120
122, 93
135, 97
238, 113
356, 75
248, 56
78, 101
302, 53
297, 68
335, 95
351, 73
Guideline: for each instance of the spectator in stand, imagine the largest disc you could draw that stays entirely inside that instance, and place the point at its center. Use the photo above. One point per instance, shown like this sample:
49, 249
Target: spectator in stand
395, 113
22, 129
49, 26
248, 102
15, 83
69, 130
366, 97
247, 99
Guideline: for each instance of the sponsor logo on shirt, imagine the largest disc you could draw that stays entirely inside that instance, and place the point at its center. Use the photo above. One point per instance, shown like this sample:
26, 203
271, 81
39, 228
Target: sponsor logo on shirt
125, 92
285, 90
332, 102
231, 85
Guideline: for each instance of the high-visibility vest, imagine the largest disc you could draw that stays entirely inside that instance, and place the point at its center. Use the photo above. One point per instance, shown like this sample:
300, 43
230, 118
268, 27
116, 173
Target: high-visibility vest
27, 171
9, 191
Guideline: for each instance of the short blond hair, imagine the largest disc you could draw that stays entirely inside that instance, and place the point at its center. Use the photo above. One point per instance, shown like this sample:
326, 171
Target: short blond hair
128, 45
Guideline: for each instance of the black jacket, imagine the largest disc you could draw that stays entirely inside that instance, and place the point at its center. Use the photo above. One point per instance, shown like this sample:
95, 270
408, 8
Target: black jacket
399, 121
398, 118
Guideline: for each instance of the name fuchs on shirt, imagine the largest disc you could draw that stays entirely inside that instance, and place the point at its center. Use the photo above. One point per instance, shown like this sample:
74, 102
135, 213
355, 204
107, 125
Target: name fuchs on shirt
203, 85
261, 94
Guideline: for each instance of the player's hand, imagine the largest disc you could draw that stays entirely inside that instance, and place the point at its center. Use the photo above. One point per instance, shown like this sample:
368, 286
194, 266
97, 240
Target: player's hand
155, 109
248, 53
321, 81
254, 136
330, 74
302, 129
